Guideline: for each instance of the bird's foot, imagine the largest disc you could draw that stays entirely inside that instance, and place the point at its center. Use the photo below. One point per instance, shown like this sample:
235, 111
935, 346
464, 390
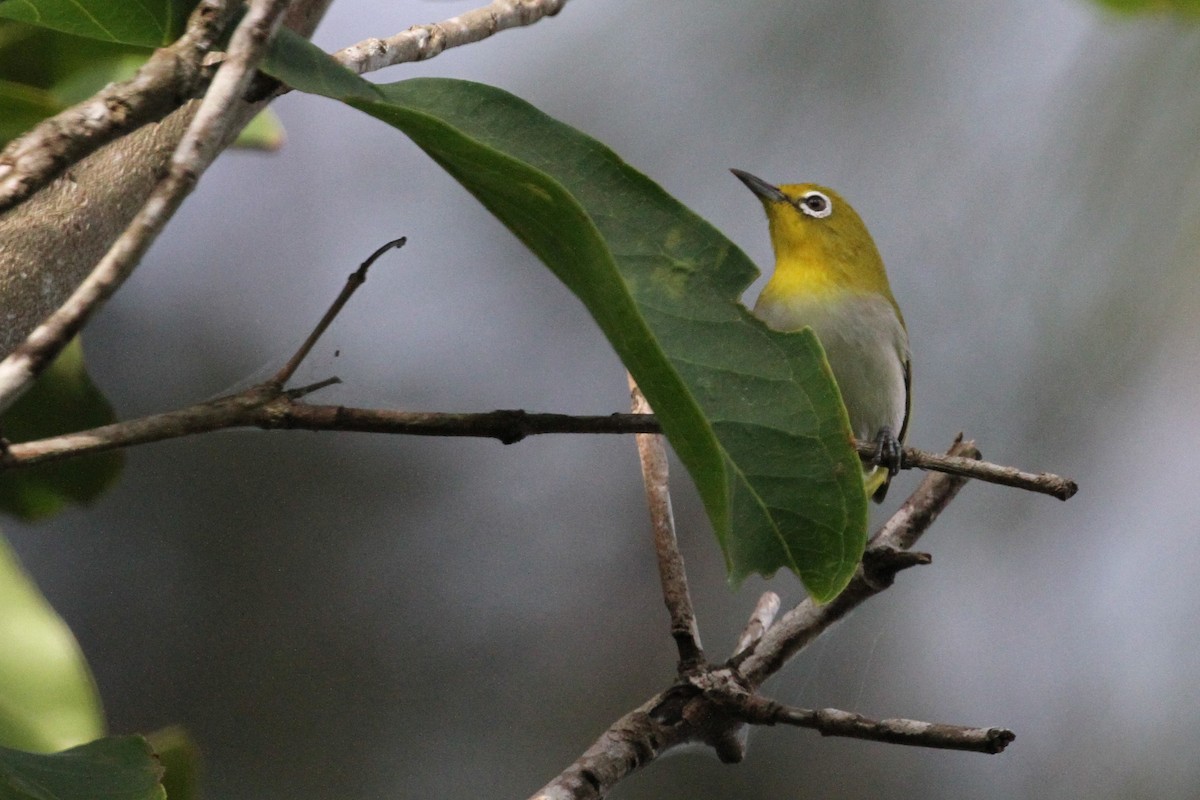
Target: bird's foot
888, 452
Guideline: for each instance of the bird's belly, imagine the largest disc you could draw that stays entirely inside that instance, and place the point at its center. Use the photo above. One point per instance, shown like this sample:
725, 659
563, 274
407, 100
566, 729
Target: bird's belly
866, 346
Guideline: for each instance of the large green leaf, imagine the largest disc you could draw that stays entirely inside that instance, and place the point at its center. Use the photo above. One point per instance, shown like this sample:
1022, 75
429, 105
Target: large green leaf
62, 400
120, 768
48, 700
149, 23
754, 414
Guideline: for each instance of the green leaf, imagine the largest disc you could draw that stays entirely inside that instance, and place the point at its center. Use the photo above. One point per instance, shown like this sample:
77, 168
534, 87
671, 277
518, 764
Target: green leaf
43, 72
1185, 8
753, 414
48, 700
302, 65
22, 107
119, 768
180, 759
62, 400
265, 132
149, 23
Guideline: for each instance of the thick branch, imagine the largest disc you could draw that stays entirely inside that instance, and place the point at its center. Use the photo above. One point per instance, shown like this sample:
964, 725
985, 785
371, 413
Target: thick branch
196, 151
421, 42
171, 76
176, 73
55, 238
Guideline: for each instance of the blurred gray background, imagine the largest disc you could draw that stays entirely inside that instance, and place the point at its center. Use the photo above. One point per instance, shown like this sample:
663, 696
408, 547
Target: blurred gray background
366, 617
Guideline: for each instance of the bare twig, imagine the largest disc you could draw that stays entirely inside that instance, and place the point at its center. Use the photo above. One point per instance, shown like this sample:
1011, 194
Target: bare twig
171, 76
268, 412
196, 151
506, 426
1042, 482
676, 595
421, 42
356, 279
761, 619
834, 722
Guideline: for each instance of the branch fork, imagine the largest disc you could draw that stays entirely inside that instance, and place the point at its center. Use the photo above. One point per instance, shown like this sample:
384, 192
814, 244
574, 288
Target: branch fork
712, 704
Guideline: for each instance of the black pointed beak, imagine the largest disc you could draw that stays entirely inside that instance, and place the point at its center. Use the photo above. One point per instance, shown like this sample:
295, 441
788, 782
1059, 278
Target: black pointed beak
760, 187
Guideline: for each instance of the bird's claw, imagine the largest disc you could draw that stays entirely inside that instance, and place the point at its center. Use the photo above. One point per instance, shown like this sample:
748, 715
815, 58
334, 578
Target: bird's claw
888, 452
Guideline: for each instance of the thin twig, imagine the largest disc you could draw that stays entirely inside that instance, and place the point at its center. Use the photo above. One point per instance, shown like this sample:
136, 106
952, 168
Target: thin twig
760, 620
506, 426
356, 279
671, 572
421, 42
196, 151
1041, 482
172, 75
835, 722
271, 413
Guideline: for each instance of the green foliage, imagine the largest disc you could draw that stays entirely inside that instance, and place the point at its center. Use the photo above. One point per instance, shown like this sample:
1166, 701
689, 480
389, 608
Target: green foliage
754, 414
1187, 8
62, 400
147, 23
180, 759
43, 72
48, 700
120, 768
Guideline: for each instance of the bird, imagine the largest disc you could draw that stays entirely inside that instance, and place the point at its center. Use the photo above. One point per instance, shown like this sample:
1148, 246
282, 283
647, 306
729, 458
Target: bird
830, 277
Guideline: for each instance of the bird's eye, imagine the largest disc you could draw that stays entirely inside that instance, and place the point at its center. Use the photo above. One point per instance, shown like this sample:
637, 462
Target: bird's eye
816, 204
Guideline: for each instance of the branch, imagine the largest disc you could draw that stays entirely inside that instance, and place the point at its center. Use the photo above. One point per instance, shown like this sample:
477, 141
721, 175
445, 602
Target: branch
54, 239
671, 573
278, 411
761, 619
177, 73
834, 722
711, 704
172, 75
421, 42
196, 151
1041, 482
356, 279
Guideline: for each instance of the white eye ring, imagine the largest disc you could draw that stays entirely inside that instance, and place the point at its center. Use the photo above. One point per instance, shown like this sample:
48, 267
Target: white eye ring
815, 204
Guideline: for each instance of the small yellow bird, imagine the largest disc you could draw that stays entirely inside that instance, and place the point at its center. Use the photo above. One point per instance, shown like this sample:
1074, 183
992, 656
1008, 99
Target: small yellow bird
829, 277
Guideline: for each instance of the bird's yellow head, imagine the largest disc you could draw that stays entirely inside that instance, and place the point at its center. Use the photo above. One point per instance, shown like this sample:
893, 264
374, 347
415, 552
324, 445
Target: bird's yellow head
821, 244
